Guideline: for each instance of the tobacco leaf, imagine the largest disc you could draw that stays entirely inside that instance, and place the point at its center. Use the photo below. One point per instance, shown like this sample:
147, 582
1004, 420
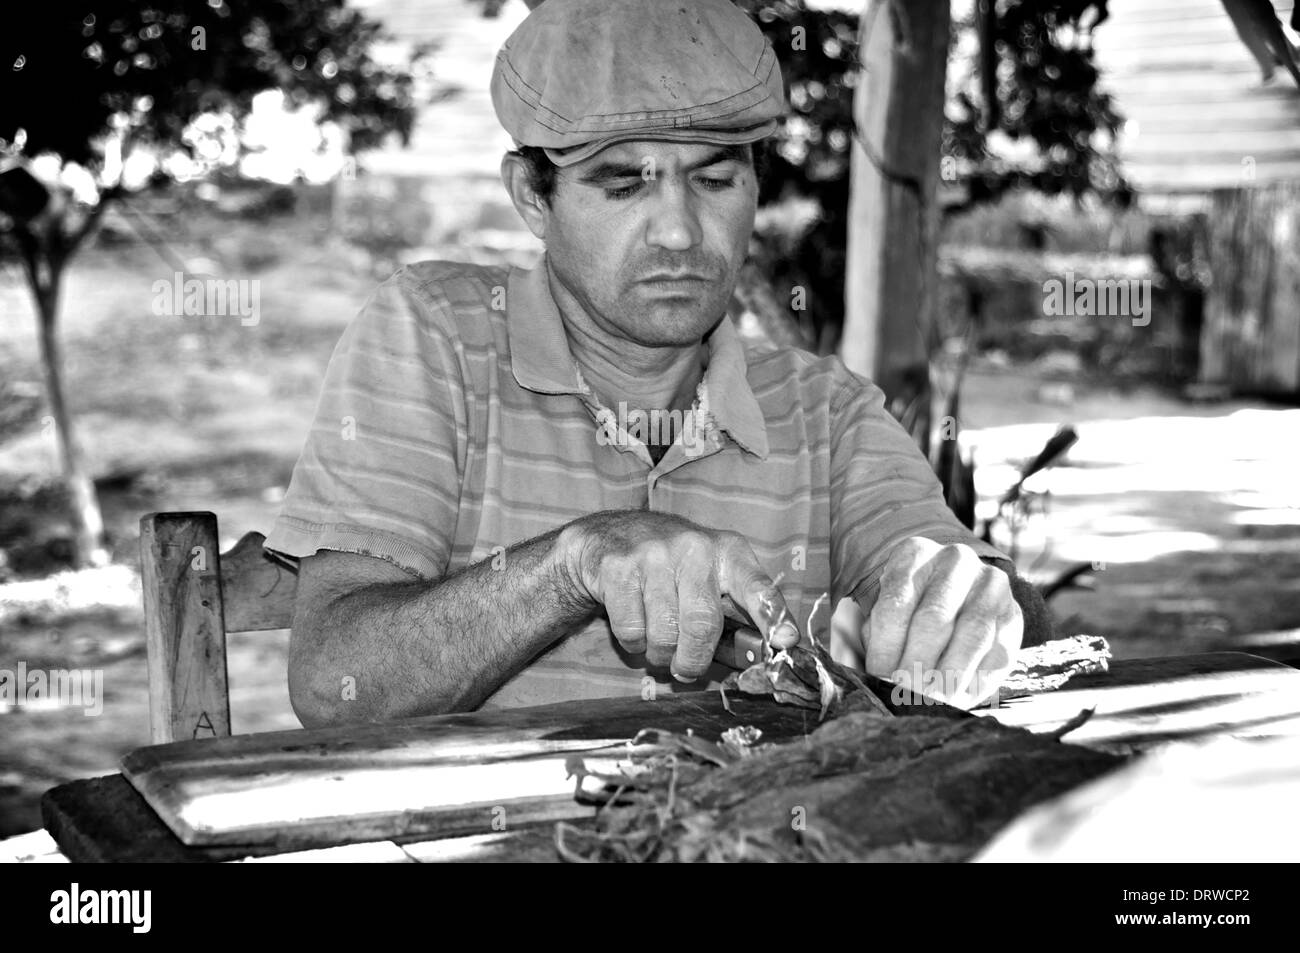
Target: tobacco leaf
865, 785
860, 787
800, 676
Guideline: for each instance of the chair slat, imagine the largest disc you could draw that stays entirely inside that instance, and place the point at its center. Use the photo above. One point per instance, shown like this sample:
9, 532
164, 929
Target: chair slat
184, 626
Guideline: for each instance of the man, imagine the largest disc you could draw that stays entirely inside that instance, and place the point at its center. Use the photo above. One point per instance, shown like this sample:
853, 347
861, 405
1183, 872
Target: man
481, 514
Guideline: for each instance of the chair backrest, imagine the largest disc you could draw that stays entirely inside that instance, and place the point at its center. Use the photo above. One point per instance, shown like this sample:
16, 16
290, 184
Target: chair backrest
193, 595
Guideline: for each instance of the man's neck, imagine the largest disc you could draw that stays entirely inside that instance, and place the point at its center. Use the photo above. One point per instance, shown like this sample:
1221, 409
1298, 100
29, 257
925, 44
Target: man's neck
646, 378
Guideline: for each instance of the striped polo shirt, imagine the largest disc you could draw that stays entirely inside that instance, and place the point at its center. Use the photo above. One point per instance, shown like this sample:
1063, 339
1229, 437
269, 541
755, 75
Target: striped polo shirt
453, 422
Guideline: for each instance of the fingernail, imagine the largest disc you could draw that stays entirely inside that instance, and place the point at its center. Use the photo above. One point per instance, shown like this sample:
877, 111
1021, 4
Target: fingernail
786, 632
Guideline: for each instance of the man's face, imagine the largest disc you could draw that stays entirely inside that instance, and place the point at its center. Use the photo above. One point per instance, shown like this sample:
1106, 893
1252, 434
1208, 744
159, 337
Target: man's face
649, 236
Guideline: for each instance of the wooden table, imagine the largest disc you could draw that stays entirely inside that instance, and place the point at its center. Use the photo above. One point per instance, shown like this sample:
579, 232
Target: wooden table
1137, 703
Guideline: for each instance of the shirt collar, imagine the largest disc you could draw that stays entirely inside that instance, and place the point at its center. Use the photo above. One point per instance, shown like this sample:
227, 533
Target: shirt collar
541, 360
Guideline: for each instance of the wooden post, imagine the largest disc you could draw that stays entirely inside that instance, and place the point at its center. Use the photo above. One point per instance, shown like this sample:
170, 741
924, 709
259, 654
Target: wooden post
891, 281
1250, 340
185, 632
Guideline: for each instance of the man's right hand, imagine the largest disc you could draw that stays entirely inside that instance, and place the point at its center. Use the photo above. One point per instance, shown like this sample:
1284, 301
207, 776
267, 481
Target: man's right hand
662, 580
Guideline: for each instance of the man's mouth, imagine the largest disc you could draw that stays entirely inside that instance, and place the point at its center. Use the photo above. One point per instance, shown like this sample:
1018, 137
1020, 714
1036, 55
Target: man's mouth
663, 278
679, 285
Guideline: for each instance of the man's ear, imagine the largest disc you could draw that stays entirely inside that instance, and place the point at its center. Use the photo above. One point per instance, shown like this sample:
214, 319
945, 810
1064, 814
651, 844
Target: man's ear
531, 208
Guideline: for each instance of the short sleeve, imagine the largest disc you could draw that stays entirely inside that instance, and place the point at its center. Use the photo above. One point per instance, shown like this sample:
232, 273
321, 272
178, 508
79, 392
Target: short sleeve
882, 491
381, 471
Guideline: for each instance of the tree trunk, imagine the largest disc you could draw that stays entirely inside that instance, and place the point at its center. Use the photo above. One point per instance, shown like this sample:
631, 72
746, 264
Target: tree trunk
890, 288
1250, 338
87, 521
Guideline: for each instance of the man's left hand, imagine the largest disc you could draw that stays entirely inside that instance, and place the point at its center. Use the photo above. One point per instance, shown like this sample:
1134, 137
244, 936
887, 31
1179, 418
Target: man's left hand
945, 617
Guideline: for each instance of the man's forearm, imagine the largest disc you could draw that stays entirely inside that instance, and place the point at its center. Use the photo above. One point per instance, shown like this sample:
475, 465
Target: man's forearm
419, 648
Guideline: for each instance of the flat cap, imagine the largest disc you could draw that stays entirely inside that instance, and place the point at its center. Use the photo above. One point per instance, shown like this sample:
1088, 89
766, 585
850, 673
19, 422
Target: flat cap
579, 75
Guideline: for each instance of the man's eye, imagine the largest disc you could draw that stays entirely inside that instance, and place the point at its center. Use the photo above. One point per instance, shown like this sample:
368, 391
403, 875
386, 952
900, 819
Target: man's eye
623, 192
716, 185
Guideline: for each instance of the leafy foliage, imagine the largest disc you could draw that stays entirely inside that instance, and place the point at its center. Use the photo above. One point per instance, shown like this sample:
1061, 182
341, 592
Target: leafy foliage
818, 50
1047, 94
73, 72
89, 82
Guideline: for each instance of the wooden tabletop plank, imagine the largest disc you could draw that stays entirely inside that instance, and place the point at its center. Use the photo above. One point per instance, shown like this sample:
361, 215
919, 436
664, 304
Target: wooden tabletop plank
1143, 702
104, 820
454, 774
107, 819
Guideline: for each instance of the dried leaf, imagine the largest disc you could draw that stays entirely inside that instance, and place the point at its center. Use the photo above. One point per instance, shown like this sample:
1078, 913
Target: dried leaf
795, 676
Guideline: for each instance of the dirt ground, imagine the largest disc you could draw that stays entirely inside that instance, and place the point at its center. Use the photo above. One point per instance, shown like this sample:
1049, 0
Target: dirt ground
1194, 510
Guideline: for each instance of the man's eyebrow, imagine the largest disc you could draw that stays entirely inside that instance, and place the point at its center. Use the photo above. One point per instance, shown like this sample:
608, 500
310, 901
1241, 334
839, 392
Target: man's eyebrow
725, 154
605, 171
628, 169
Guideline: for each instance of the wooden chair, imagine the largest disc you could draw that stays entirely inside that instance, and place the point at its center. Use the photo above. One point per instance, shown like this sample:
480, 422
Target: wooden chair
193, 595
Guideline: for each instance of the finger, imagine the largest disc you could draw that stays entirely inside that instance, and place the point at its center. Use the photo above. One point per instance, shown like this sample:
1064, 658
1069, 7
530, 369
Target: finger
1001, 659
734, 612
847, 624
953, 574
785, 636
743, 579
700, 619
625, 606
885, 634
661, 616
976, 631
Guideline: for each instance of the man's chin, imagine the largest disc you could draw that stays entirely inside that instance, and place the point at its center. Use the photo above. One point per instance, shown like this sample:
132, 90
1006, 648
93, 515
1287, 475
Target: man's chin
663, 333
674, 323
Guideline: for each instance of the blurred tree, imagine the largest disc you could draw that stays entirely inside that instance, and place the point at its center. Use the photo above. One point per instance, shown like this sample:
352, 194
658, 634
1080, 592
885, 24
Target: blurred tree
809, 160
1026, 74
86, 85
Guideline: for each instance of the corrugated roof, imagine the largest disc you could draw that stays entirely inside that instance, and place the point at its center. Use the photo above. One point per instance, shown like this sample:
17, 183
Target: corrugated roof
1199, 118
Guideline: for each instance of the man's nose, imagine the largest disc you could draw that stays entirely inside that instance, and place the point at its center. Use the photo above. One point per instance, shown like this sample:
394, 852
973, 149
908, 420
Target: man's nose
674, 224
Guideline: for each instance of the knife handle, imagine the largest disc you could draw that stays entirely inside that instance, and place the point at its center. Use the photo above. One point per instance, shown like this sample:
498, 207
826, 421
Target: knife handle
739, 648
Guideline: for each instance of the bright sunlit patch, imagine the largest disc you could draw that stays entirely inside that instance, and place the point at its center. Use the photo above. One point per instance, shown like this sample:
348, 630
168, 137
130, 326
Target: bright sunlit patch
71, 591
1202, 475
289, 143
35, 704
78, 180
1284, 494
1135, 548
1260, 640
1290, 516
1252, 434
